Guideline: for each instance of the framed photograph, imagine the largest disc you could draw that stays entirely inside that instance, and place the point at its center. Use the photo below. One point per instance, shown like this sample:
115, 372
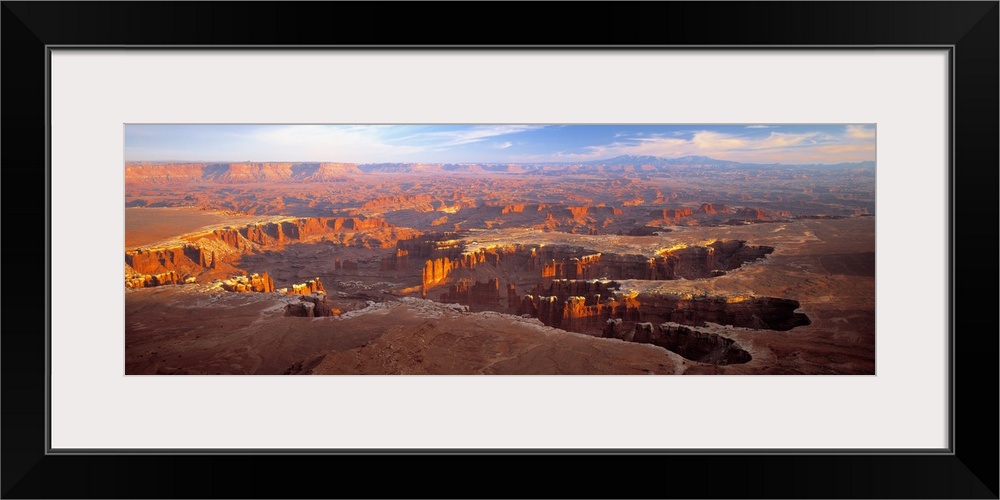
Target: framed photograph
490, 249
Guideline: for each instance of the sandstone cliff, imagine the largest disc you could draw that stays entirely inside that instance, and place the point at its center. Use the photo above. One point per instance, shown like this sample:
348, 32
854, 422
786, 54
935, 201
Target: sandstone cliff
239, 173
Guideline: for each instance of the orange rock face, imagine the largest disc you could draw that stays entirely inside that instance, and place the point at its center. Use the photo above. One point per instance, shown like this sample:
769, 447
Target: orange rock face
187, 258
583, 267
435, 271
147, 280
673, 213
253, 283
711, 208
578, 305
310, 287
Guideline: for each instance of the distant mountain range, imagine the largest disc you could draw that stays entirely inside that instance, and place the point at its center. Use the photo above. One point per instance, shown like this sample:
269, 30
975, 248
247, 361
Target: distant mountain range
704, 161
248, 172
660, 162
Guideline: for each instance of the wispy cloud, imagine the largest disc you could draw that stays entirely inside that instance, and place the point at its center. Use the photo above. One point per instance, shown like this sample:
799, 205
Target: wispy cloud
853, 144
468, 135
762, 126
860, 132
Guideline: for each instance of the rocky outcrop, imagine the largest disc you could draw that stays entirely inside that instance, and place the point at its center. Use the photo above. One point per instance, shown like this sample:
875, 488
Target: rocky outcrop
184, 259
751, 214
134, 280
272, 233
586, 306
253, 283
164, 173
311, 306
420, 203
325, 172
478, 294
300, 309
399, 261
761, 313
691, 343
312, 286
697, 261
673, 213
582, 267
711, 208
581, 213
435, 271
578, 305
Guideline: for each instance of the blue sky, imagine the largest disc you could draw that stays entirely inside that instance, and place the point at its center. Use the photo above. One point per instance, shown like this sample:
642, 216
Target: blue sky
754, 143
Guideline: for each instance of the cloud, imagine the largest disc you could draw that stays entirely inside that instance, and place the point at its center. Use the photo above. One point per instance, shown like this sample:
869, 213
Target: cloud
504, 145
860, 132
762, 126
459, 137
775, 147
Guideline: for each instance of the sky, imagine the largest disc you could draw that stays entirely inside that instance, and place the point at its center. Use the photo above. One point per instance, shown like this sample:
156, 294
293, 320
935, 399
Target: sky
749, 143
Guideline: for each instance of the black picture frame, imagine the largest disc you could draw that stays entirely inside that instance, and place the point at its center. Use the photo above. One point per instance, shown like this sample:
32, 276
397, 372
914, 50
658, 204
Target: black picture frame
970, 470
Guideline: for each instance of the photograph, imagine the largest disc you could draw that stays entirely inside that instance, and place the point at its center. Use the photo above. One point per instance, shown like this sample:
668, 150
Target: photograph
499, 249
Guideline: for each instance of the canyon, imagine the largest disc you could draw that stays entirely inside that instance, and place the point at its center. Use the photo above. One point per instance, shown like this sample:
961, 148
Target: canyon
325, 268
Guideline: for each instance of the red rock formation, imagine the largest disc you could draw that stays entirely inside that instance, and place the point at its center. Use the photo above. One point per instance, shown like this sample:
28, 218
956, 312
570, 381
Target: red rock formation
146, 280
691, 343
300, 309
578, 212
310, 287
253, 283
312, 305
255, 172
518, 208
355, 223
512, 298
399, 261
673, 213
435, 271
614, 329
577, 310
751, 214
769, 313
578, 305
329, 172
479, 294
185, 259
164, 173
583, 267
711, 208
420, 202
231, 237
